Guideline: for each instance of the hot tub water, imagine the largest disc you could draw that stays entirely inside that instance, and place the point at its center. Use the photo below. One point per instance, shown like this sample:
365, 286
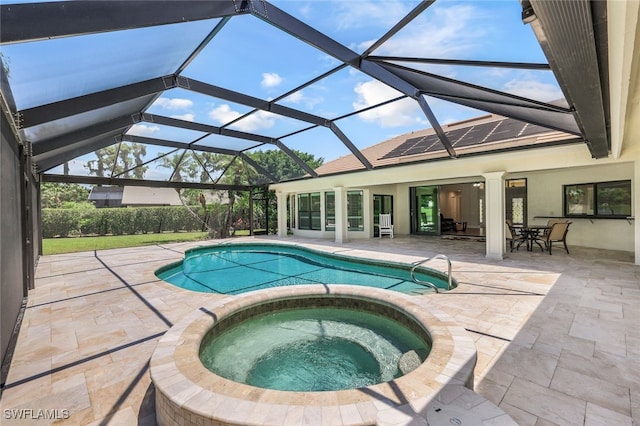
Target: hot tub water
312, 349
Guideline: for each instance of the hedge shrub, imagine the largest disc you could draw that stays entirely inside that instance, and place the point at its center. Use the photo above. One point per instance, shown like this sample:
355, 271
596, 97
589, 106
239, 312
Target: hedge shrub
119, 221
60, 222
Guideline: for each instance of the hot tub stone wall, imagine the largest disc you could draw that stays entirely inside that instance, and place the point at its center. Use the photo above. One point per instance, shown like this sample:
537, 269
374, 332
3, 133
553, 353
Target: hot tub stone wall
189, 394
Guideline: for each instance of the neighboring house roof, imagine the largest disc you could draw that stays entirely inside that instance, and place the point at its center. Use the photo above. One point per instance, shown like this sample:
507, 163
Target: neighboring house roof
475, 136
99, 193
106, 196
142, 195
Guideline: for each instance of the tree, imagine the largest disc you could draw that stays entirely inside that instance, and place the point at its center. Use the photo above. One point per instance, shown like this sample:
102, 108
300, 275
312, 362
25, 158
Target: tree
238, 172
280, 165
103, 165
130, 162
124, 160
183, 165
57, 195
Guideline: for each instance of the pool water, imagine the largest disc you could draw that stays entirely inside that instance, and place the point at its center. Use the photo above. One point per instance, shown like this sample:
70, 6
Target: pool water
311, 349
238, 268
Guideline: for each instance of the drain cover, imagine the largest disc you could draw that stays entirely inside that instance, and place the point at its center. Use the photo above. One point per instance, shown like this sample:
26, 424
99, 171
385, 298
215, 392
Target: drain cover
446, 415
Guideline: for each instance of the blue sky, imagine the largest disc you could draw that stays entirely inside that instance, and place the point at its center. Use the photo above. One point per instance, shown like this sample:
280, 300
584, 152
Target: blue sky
252, 57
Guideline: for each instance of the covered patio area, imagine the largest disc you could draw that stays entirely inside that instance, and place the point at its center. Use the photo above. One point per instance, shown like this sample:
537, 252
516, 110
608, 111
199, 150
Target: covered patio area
557, 337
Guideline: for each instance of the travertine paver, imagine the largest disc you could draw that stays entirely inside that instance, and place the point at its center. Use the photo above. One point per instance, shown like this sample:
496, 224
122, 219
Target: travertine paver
558, 336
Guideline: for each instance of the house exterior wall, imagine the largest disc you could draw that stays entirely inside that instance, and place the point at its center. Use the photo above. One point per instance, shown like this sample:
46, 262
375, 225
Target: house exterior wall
545, 197
546, 170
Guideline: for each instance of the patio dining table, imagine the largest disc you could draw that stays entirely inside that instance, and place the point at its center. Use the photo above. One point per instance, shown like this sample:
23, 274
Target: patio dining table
530, 234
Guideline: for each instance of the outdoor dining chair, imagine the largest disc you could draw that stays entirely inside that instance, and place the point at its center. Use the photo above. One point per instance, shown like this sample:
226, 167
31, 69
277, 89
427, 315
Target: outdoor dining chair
513, 236
557, 234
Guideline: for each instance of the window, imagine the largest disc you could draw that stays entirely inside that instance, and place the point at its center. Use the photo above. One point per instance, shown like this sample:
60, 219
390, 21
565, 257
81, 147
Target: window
309, 211
602, 199
355, 214
516, 201
330, 211
517, 211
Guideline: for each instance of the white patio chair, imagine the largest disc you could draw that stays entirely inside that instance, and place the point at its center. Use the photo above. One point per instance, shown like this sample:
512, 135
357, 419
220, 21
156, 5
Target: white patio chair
384, 226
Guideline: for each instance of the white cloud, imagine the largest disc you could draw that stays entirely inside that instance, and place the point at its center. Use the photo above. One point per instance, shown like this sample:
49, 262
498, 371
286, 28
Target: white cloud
399, 113
358, 14
305, 10
444, 32
256, 121
143, 130
77, 167
186, 117
301, 98
173, 103
533, 89
270, 79
223, 114
294, 98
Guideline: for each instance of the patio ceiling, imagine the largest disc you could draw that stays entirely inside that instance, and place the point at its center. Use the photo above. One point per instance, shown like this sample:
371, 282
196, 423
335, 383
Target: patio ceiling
124, 58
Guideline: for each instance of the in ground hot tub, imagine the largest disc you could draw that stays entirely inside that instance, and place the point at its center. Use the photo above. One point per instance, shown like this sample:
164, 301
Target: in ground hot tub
189, 393
315, 344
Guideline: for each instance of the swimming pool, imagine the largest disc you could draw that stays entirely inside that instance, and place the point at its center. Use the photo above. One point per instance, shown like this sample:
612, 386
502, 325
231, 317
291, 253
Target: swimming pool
241, 267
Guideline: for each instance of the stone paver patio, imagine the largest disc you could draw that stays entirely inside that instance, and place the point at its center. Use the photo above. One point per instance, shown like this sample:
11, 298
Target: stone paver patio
558, 337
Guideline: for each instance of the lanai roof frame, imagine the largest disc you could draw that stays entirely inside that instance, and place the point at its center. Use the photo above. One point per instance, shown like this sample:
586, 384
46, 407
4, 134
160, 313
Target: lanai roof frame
66, 19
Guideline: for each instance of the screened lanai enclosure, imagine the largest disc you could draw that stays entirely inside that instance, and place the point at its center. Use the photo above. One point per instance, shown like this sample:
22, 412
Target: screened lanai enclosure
233, 95
183, 90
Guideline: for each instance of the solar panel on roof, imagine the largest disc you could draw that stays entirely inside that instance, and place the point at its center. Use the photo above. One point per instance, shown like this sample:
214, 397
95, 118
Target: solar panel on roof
412, 152
434, 143
397, 151
454, 135
409, 144
533, 129
476, 135
508, 128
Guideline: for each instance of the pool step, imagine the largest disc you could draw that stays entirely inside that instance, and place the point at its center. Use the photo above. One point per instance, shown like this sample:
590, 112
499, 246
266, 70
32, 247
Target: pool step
409, 361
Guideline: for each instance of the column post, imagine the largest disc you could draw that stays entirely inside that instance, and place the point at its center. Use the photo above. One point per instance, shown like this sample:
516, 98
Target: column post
282, 198
495, 215
342, 225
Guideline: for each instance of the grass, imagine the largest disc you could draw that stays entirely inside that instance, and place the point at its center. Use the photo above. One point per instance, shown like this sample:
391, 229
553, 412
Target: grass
72, 245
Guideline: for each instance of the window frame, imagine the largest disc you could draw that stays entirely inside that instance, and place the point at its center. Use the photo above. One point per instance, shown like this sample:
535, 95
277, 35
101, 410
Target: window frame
592, 189
358, 218
330, 211
308, 218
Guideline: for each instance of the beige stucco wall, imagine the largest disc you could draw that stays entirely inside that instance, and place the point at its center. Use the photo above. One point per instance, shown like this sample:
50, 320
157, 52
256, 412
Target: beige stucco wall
546, 171
545, 198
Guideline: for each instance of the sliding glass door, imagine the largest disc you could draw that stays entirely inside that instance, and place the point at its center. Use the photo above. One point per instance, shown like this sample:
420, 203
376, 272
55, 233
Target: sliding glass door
382, 204
425, 210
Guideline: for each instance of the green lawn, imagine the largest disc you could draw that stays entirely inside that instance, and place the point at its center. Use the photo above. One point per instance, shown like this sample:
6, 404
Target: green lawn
71, 245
